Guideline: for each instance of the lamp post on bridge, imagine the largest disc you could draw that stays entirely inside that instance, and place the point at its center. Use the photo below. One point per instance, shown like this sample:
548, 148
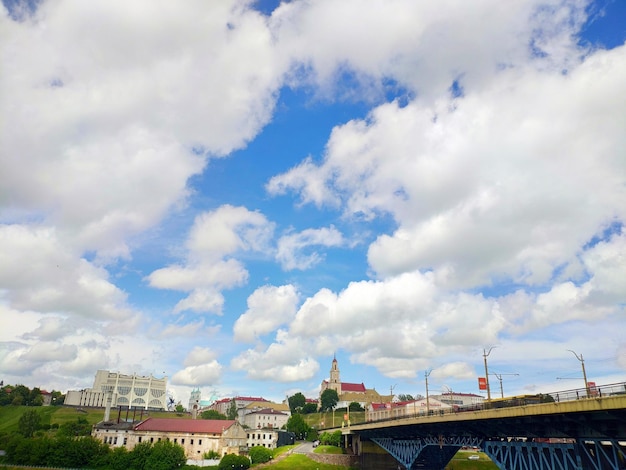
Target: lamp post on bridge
499, 377
426, 374
485, 354
582, 363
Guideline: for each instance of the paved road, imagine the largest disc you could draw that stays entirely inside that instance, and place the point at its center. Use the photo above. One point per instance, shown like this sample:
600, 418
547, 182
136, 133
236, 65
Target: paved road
304, 447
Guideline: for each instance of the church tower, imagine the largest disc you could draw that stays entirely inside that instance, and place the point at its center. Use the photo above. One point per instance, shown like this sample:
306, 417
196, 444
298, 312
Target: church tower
335, 379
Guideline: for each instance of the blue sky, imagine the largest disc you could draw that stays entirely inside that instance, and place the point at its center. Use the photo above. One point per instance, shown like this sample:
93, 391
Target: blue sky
231, 193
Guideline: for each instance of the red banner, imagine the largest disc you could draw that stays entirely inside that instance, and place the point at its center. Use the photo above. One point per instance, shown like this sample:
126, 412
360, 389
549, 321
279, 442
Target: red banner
482, 383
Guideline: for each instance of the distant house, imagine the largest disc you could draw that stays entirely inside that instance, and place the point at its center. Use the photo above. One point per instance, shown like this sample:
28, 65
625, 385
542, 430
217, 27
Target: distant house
195, 436
400, 409
223, 405
267, 418
350, 392
460, 399
262, 405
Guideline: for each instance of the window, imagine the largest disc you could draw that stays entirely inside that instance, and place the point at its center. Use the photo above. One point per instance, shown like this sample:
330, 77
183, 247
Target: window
199, 442
175, 440
151, 440
115, 440
192, 443
139, 439
182, 441
125, 440
159, 439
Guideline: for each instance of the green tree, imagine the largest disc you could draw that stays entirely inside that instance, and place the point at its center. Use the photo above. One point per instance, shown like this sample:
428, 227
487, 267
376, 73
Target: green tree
296, 403
139, 455
166, 455
179, 408
260, 454
29, 422
212, 414
232, 410
296, 425
328, 400
309, 408
405, 397
80, 427
331, 439
118, 459
355, 406
232, 461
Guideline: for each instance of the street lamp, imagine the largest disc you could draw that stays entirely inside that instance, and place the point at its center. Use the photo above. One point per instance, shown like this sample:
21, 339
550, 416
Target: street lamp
582, 363
499, 377
485, 354
426, 374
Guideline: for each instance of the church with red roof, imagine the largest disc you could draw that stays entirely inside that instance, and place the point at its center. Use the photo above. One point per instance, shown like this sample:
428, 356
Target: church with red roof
351, 392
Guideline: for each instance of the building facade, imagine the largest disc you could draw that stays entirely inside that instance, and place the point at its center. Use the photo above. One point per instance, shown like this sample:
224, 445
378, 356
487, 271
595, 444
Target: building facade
197, 437
405, 409
133, 391
265, 419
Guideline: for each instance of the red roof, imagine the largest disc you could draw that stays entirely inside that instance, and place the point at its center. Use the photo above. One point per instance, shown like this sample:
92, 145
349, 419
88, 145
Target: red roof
211, 426
348, 387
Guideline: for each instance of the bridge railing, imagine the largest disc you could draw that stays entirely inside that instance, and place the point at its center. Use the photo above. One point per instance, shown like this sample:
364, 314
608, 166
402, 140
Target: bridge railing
507, 402
590, 392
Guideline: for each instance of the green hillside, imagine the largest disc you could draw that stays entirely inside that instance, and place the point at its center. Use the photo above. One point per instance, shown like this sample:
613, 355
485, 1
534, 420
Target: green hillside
10, 415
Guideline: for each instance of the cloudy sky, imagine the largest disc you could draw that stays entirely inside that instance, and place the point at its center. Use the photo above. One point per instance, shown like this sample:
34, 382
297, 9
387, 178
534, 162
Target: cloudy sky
231, 192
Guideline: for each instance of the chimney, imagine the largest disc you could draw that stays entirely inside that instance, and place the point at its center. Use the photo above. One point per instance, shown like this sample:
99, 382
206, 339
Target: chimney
107, 409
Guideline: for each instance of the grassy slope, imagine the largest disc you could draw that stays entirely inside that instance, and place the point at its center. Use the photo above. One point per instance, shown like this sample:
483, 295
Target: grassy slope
10, 415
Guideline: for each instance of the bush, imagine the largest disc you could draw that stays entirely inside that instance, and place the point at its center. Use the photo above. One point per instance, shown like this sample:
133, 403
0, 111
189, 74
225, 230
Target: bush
211, 455
232, 461
260, 454
329, 439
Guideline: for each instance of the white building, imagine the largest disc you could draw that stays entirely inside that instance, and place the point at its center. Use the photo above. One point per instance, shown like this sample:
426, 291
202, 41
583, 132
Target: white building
400, 409
460, 399
197, 437
265, 419
134, 391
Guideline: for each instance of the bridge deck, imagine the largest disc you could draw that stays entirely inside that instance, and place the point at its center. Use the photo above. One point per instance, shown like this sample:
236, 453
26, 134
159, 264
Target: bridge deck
590, 417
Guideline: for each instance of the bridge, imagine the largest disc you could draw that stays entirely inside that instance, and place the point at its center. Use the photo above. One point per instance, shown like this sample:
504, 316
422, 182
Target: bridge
573, 430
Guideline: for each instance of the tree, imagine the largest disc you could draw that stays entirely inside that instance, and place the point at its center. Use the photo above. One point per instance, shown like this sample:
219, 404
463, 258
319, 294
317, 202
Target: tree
212, 414
328, 400
260, 454
309, 408
232, 461
405, 397
296, 425
80, 427
179, 408
28, 423
139, 455
232, 410
166, 455
296, 402
355, 406
331, 439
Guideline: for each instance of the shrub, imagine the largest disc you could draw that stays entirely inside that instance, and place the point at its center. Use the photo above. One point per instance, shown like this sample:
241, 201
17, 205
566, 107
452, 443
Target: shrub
260, 454
232, 461
211, 455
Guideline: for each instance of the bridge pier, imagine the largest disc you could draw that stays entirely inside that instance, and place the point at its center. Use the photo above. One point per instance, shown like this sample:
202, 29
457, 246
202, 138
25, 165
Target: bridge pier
582, 454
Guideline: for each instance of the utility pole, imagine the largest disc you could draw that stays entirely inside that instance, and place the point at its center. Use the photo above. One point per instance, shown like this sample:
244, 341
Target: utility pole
499, 377
485, 354
426, 374
582, 363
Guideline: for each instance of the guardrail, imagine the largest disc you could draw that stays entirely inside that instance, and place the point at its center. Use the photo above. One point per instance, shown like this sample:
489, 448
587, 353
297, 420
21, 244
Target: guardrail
592, 392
